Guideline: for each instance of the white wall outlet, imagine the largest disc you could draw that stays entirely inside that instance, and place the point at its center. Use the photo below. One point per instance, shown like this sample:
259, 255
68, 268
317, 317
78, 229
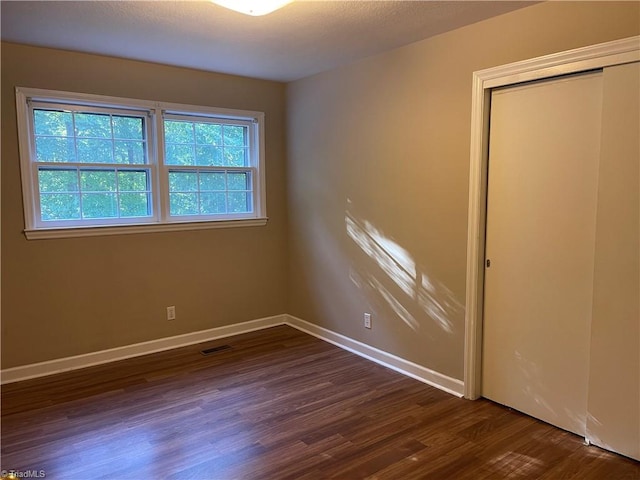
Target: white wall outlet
367, 320
171, 313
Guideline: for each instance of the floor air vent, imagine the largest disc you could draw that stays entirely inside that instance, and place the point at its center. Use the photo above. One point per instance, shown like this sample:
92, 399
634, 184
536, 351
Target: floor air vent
221, 348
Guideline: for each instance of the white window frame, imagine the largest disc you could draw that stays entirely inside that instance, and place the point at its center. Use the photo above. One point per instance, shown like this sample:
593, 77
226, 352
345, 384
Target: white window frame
160, 221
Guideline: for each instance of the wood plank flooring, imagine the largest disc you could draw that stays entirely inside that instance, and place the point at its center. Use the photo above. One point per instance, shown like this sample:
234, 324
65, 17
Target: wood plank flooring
279, 404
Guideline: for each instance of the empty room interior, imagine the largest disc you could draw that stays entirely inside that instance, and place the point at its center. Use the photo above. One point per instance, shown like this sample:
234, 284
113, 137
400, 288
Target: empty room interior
342, 239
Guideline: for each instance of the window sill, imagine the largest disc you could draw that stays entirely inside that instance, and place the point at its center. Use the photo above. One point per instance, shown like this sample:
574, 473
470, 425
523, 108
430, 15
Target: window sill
95, 231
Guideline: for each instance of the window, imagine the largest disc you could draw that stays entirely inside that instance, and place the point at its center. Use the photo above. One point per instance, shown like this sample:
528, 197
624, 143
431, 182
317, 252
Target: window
95, 165
209, 168
91, 167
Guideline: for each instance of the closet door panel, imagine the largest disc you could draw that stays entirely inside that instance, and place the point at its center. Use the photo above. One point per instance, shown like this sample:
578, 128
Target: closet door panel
544, 150
614, 383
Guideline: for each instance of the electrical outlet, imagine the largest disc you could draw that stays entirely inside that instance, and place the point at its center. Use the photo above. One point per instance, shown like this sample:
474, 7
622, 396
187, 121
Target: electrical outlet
171, 313
367, 320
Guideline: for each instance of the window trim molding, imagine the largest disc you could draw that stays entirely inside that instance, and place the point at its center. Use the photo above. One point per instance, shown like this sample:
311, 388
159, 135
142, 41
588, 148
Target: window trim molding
155, 110
102, 230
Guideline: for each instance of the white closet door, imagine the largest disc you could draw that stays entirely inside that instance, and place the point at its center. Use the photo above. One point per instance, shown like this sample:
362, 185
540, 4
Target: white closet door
544, 150
614, 383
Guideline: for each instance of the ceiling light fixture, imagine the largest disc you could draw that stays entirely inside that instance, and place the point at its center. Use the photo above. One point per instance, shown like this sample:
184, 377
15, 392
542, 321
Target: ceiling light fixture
253, 7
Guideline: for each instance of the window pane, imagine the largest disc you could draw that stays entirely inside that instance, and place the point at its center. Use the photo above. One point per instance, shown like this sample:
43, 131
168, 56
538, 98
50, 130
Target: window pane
55, 149
57, 180
208, 134
134, 205
59, 206
235, 156
183, 203
98, 180
94, 151
239, 202
91, 141
93, 125
212, 203
128, 127
183, 182
179, 155
234, 135
48, 122
129, 152
132, 181
99, 205
238, 181
212, 181
206, 155
178, 132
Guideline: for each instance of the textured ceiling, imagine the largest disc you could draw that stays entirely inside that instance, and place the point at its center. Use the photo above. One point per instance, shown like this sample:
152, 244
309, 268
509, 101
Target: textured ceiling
303, 38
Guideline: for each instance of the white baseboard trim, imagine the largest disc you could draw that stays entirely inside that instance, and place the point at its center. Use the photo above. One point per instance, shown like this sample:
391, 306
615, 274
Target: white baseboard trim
410, 369
60, 365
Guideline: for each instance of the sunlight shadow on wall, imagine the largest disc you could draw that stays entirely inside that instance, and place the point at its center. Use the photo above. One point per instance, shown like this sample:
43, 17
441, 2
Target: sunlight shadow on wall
395, 305
394, 260
430, 297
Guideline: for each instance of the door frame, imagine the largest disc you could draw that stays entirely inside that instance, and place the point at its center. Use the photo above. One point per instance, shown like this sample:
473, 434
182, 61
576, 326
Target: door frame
573, 61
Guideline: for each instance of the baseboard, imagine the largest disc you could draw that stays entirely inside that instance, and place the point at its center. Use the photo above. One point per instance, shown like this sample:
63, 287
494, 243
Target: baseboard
418, 372
51, 367
410, 369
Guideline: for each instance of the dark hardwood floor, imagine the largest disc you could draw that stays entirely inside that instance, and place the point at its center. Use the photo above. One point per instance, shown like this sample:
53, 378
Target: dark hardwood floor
279, 404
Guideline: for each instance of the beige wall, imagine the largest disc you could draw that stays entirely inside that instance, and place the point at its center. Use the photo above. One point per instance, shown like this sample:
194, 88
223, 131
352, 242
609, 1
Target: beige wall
71, 296
378, 177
